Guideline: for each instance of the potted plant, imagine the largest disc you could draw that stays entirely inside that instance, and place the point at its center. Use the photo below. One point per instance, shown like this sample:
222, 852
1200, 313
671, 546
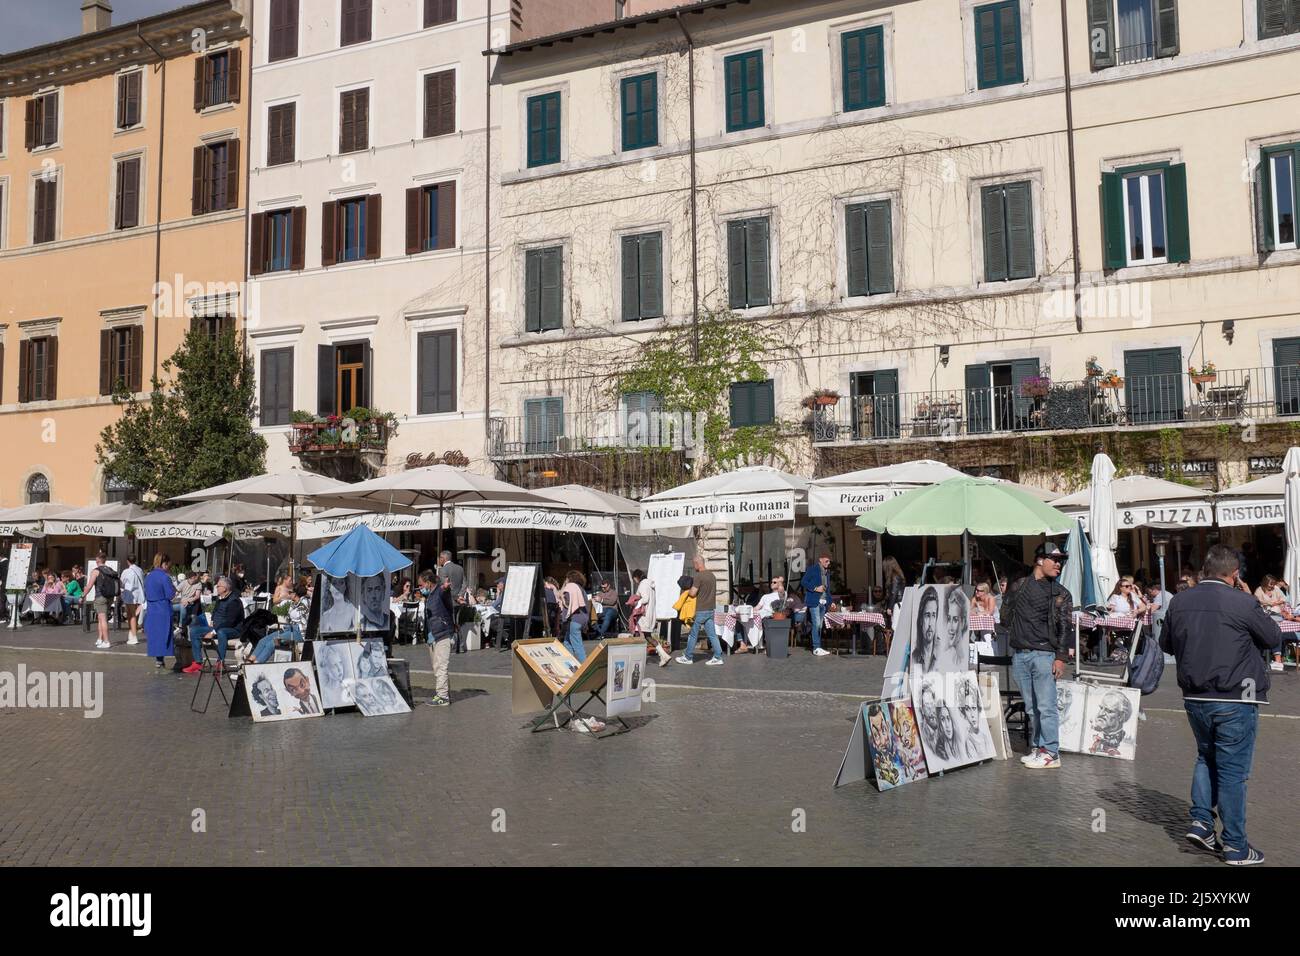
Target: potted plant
1110, 379
1092, 368
1205, 374
821, 397
1036, 386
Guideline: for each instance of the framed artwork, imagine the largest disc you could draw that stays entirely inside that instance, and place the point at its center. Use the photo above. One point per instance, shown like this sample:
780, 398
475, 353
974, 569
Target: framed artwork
279, 691
339, 613
378, 697
1111, 722
954, 729
375, 607
1070, 701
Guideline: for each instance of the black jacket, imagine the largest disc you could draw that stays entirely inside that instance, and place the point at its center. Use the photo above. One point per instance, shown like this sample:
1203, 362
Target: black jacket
1038, 615
227, 612
438, 616
1219, 636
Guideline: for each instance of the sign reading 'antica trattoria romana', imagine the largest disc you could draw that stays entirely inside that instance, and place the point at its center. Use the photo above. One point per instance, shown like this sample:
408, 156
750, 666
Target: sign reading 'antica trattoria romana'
722, 509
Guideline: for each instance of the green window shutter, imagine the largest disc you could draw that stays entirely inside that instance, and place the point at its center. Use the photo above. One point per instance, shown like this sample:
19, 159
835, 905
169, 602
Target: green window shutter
631, 280
764, 403
650, 265
535, 138
544, 129
533, 291
1153, 384
1178, 240
978, 395
997, 44
1286, 376
862, 62
640, 111
1022, 369
1112, 221
553, 128
995, 235
1166, 18
737, 295
884, 417
552, 316
754, 105
1020, 231
744, 90
880, 248
757, 263
855, 244
986, 42
1009, 57
1264, 191
1101, 33
740, 404
875, 66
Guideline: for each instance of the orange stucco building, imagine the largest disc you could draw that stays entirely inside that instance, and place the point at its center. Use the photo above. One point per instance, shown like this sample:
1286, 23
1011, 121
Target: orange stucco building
123, 157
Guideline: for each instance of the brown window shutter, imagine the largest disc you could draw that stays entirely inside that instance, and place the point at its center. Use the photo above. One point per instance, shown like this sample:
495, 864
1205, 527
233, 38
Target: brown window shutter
288, 132
447, 103
232, 174
298, 251
361, 120
51, 368
52, 209
24, 370
200, 167
2, 372
329, 250
31, 123
119, 199
257, 244
233, 76
200, 83
430, 98
121, 99
374, 222
346, 123
134, 96
447, 216
105, 361
136, 351
414, 204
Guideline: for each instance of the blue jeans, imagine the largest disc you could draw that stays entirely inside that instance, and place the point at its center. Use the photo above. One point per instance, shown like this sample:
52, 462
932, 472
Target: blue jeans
815, 614
1225, 745
1033, 673
574, 639
607, 619
199, 631
703, 620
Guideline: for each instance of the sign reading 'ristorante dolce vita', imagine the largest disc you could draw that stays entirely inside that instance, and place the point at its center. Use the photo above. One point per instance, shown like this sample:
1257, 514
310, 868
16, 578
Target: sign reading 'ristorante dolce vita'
469, 516
722, 509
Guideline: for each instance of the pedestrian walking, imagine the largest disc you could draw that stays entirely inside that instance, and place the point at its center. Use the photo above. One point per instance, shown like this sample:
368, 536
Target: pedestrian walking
704, 589
132, 597
158, 591
644, 615
439, 626
1221, 638
817, 596
1040, 611
573, 613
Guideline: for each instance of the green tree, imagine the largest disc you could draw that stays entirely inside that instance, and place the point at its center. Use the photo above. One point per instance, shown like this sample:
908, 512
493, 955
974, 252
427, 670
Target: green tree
195, 429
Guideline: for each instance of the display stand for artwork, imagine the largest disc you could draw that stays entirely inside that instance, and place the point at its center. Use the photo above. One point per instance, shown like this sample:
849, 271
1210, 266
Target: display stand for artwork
20, 568
521, 592
531, 688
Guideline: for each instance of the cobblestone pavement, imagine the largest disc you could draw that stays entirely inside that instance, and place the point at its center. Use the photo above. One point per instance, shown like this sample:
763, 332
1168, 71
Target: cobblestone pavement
718, 770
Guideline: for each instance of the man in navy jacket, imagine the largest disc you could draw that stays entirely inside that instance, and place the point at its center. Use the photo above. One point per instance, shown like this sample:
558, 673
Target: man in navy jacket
1220, 637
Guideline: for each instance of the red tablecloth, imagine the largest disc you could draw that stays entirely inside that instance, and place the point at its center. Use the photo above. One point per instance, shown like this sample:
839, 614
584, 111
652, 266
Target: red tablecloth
1289, 627
1112, 621
723, 619
982, 622
841, 618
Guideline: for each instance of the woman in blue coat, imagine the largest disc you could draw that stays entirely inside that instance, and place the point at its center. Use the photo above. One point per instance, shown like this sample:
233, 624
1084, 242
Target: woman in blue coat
158, 593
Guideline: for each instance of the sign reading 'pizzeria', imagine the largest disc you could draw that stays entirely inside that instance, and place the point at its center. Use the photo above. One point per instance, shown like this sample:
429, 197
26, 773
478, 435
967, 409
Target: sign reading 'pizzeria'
848, 500
727, 509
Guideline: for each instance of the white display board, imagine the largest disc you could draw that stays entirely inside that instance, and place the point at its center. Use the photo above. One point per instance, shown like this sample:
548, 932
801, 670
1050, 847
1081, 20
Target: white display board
20, 567
664, 570
521, 585
625, 674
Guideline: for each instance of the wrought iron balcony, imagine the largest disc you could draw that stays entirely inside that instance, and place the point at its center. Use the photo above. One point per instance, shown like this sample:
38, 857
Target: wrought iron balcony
579, 433
1259, 394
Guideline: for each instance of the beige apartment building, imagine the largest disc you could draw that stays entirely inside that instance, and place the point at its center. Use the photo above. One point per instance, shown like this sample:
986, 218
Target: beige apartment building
980, 254
122, 186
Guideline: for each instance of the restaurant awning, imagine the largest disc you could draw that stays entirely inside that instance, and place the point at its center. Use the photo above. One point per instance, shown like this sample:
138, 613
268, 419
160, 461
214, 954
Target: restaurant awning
574, 508
98, 521
205, 520
28, 519
753, 494
1255, 502
1142, 502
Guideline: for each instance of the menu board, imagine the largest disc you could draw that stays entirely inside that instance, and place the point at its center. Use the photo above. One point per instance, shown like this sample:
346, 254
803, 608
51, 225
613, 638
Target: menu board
20, 566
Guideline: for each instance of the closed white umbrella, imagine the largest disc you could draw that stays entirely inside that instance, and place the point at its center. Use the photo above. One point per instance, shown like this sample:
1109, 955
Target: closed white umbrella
1291, 518
1101, 523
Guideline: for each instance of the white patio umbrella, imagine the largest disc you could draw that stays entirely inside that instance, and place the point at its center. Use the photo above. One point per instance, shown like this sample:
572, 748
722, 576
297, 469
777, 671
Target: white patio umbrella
210, 519
857, 492
1254, 503
29, 519
1102, 530
1291, 508
97, 521
292, 487
434, 485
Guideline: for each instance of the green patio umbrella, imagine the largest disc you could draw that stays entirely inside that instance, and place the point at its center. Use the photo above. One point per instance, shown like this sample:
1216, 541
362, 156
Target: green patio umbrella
962, 505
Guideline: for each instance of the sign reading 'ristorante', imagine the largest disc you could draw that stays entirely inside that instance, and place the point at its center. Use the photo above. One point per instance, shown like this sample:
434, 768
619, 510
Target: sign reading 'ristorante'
468, 516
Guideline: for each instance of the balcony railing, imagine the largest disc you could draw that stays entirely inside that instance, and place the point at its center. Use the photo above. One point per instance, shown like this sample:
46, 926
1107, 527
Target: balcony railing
338, 438
576, 433
1257, 394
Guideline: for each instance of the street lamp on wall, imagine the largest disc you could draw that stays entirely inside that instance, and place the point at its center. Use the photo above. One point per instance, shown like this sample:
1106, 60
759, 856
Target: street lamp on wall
943, 355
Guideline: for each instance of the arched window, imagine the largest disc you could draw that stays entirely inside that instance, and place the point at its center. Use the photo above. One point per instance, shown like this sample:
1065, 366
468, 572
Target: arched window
38, 489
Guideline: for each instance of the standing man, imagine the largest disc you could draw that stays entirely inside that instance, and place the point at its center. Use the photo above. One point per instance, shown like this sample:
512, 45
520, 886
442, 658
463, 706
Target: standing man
132, 597
817, 595
705, 591
438, 629
1220, 637
104, 583
449, 570
1040, 612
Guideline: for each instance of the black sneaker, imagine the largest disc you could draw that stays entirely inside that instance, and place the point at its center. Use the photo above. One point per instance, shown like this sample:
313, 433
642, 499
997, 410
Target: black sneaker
1249, 857
1204, 837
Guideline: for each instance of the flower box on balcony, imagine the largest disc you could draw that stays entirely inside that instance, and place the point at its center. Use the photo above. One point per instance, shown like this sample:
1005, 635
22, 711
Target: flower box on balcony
1205, 379
1111, 383
827, 400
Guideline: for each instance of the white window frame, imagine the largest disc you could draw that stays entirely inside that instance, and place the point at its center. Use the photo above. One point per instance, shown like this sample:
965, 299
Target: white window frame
773, 260
664, 229
971, 48
58, 142
1145, 202
1250, 19
1274, 212
566, 265
140, 154
660, 69
454, 68
524, 96
441, 320
842, 203
720, 54
371, 130
117, 79
837, 32
6, 107
32, 178
296, 100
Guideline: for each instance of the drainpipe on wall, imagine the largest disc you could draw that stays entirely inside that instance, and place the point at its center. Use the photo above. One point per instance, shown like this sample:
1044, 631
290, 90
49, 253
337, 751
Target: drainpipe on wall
157, 219
244, 302
487, 243
1069, 146
695, 250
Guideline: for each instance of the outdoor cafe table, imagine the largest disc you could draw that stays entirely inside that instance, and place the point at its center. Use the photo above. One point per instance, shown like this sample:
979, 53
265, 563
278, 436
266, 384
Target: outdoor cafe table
979, 623
1105, 625
41, 603
856, 618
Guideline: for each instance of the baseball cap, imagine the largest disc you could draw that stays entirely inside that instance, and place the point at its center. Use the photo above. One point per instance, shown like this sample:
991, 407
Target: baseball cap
1049, 549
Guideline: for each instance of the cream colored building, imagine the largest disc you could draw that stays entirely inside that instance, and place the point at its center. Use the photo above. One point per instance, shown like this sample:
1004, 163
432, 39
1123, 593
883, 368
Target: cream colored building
930, 221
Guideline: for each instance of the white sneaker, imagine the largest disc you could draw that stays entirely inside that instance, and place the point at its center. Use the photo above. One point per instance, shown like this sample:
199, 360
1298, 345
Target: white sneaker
1030, 757
683, 660
1044, 761
132, 640
1276, 666
714, 662
102, 644
580, 725
821, 652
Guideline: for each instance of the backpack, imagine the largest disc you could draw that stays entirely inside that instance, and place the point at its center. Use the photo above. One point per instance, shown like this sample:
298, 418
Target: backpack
1145, 669
107, 583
